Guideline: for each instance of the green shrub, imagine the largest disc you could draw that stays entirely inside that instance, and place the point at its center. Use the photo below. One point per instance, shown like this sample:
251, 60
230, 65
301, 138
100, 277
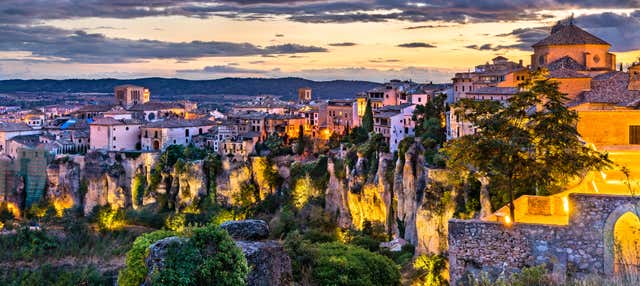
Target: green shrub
135, 269
429, 268
48, 275
339, 264
208, 257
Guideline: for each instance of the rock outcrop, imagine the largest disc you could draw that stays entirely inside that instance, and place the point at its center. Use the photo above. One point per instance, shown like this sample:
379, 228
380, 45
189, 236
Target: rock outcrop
336, 198
269, 263
250, 229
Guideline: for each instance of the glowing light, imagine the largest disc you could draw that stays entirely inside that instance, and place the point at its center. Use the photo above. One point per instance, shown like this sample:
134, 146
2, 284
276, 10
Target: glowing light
61, 205
595, 188
565, 204
604, 176
507, 220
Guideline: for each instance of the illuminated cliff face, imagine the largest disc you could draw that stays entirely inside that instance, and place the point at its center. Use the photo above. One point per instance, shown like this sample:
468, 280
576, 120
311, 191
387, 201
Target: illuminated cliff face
368, 205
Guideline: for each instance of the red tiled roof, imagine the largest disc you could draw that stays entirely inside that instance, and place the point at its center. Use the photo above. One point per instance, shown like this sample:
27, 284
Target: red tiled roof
570, 35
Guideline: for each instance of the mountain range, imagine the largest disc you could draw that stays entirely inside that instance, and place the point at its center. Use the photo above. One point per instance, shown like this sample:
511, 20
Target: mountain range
285, 87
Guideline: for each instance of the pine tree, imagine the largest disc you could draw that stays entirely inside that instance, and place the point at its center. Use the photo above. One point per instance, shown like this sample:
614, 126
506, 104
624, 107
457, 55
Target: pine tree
367, 118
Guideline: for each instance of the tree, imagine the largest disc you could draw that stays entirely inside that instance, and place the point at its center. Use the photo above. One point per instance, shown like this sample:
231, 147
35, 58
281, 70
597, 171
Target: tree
430, 129
300, 146
367, 118
528, 146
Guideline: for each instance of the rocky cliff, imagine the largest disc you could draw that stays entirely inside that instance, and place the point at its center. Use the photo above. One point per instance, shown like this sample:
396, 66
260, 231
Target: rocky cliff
411, 200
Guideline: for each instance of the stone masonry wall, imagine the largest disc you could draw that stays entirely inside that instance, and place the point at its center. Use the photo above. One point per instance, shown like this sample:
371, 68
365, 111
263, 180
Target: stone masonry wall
584, 246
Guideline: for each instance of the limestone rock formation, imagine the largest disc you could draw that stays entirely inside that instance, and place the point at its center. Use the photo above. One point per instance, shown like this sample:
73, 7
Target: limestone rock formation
250, 229
336, 198
157, 254
269, 262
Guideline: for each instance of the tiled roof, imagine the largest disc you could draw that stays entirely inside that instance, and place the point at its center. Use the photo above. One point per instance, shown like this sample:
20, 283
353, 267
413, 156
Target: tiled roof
111, 121
566, 73
610, 88
565, 62
156, 105
96, 108
179, 123
14, 126
489, 90
27, 140
570, 35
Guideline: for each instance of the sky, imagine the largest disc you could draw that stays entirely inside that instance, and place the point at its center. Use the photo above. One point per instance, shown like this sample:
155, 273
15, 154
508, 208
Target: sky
375, 40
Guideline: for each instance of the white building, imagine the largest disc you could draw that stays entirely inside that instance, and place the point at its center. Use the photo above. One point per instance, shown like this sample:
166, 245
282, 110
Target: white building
395, 123
111, 134
9, 130
160, 135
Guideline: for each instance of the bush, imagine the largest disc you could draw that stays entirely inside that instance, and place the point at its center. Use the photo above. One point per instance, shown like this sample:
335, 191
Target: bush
55, 276
208, 257
429, 269
135, 269
339, 264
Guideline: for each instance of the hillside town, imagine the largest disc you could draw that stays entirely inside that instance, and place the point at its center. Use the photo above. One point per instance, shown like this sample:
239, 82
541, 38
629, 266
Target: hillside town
412, 172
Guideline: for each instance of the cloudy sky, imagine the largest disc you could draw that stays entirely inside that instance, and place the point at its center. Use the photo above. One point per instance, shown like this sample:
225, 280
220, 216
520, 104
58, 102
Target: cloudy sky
318, 39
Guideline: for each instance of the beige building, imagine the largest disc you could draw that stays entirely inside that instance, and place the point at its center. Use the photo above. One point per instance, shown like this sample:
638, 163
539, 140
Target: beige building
304, 95
129, 95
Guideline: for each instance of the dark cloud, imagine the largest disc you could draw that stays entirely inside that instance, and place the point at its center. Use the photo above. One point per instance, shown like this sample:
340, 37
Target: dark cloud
344, 44
223, 70
622, 31
426, 27
313, 11
79, 46
416, 45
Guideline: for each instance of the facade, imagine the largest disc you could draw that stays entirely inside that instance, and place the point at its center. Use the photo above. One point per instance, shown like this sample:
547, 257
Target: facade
129, 95
111, 134
9, 130
153, 111
395, 123
157, 136
304, 95
340, 115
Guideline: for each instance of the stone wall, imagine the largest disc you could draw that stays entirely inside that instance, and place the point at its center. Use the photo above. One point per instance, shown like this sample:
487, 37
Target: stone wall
584, 246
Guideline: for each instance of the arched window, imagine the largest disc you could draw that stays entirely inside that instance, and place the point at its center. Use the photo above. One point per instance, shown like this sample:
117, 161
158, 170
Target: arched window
152, 116
200, 131
186, 132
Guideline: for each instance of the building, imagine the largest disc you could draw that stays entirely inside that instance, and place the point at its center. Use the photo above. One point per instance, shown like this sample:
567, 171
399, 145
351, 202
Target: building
491, 81
159, 110
340, 115
239, 147
129, 95
304, 95
107, 133
9, 130
266, 104
395, 123
157, 136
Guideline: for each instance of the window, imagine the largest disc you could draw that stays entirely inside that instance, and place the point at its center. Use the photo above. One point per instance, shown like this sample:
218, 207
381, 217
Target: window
186, 132
114, 138
634, 134
126, 128
155, 134
419, 99
200, 131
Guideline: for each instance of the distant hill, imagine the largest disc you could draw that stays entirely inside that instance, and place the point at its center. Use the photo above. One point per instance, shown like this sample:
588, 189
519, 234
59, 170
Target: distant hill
285, 87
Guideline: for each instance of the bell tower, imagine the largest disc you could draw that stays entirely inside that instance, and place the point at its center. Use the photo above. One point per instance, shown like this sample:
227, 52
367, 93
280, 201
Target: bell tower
634, 76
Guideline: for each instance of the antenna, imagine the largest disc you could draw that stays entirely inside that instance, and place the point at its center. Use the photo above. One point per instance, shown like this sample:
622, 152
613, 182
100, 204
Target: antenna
571, 19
